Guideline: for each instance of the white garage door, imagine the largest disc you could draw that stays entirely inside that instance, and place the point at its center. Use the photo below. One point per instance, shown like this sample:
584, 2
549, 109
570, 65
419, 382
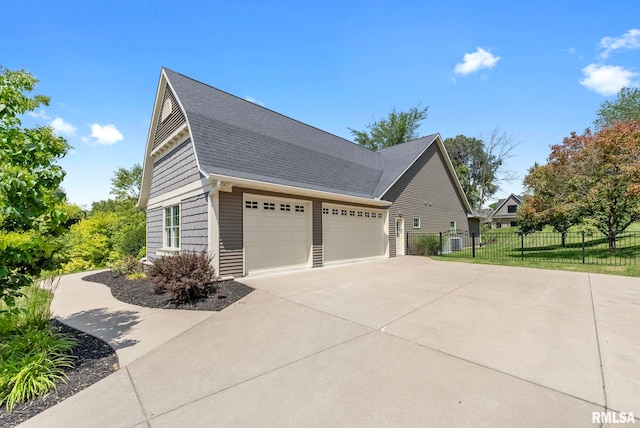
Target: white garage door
352, 232
277, 233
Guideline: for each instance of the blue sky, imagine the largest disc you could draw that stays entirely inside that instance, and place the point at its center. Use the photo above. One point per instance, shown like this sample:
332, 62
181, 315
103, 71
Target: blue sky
537, 70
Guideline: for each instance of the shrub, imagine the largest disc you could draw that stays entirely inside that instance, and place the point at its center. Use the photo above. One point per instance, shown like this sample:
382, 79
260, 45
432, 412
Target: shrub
186, 276
136, 275
427, 246
32, 356
128, 265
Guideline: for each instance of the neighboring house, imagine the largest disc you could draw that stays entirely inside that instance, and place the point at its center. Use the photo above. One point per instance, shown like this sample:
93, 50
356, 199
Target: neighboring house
261, 191
506, 212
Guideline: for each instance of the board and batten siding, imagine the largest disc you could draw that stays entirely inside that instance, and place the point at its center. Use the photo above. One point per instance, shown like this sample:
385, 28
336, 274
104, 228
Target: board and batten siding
427, 191
154, 232
231, 217
316, 222
194, 231
175, 169
166, 127
231, 245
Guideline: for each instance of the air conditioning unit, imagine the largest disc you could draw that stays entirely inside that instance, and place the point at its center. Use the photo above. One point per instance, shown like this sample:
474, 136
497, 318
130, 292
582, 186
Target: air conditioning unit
456, 243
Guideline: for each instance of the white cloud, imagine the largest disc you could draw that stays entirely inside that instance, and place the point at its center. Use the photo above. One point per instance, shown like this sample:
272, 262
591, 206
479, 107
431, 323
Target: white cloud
629, 40
607, 79
105, 134
39, 114
254, 100
476, 61
61, 127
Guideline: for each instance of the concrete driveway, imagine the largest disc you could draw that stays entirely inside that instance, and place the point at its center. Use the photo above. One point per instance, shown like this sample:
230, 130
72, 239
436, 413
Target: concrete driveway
394, 342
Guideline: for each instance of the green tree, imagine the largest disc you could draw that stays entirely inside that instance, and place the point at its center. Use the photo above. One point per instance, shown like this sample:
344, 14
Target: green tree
593, 177
396, 128
30, 194
626, 107
470, 160
125, 184
479, 163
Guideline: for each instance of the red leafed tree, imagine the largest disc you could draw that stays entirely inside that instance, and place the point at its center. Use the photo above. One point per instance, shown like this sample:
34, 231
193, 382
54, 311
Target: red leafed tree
592, 176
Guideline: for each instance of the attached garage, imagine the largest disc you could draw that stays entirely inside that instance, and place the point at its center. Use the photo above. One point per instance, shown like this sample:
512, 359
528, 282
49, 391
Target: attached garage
277, 233
351, 232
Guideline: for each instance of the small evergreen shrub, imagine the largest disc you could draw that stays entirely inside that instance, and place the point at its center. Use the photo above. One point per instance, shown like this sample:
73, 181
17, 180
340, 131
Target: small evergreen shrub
427, 246
186, 276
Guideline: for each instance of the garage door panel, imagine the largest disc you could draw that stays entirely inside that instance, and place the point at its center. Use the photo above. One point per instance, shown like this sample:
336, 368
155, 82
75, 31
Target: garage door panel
276, 238
352, 232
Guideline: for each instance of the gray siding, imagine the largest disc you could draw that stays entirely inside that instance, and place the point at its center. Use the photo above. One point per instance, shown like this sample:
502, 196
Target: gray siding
503, 212
154, 232
426, 191
171, 123
174, 170
194, 229
231, 254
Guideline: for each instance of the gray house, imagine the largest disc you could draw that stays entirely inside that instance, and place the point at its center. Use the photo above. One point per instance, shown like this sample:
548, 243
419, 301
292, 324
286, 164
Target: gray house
261, 191
506, 212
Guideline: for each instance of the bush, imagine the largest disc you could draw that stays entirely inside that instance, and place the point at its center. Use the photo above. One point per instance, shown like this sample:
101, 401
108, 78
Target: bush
128, 265
427, 246
32, 356
186, 276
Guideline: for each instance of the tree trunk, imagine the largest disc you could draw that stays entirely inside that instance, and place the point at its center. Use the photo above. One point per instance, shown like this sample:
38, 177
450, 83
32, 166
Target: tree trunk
612, 242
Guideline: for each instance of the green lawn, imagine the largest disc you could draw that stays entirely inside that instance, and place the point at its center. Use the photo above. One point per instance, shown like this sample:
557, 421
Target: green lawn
546, 250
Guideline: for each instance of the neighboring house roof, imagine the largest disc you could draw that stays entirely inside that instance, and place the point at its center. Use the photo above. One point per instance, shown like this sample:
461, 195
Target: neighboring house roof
501, 202
237, 138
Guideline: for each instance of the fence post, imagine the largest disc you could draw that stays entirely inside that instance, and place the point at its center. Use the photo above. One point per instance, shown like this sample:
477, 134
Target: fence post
441, 247
522, 246
473, 245
583, 247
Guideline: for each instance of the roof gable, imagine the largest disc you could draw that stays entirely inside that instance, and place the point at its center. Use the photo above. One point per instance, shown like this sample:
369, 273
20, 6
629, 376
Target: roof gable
237, 138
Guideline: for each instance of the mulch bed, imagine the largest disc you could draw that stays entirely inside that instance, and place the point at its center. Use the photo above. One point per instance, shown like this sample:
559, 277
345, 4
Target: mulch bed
140, 292
95, 359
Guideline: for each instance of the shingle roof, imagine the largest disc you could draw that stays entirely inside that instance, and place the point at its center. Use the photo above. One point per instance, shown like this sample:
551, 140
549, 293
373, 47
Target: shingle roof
238, 138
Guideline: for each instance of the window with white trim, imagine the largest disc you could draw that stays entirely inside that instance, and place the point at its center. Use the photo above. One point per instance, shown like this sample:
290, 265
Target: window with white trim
299, 208
172, 227
325, 211
285, 207
251, 205
270, 206
352, 213
416, 222
452, 227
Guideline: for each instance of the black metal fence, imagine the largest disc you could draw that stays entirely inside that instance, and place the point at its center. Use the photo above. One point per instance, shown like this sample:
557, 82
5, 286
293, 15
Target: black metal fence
575, 247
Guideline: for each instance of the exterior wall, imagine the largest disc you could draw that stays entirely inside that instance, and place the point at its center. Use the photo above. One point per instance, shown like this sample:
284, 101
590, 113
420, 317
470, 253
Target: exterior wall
231, 245
154, 232
474, 226
503, 216
317, 233
194, 229
427, 191
171, 123
174, 170
231, 239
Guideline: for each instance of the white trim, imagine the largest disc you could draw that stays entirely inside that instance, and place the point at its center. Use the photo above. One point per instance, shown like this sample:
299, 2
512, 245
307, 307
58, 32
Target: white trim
419, 222
164, 226
213, 228
176, 138
194, 188
296, 192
